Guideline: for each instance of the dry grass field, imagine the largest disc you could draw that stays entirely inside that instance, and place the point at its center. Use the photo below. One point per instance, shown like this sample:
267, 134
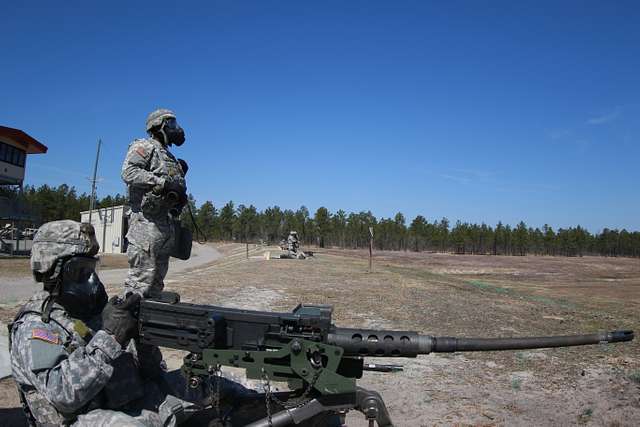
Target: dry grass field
464, 296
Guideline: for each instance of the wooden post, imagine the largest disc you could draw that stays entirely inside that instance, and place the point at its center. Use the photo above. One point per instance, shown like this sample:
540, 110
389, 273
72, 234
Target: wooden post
12, 235
370, 249
247, 250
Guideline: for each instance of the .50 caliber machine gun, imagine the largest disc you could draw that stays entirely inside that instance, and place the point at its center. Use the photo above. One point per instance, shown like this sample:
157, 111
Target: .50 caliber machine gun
319, 361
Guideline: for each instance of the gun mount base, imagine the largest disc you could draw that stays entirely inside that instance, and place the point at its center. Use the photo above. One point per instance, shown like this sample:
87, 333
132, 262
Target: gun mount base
368, 402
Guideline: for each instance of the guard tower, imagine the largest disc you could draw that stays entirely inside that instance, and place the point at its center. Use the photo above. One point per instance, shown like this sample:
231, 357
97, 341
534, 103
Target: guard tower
15, 214
14, 147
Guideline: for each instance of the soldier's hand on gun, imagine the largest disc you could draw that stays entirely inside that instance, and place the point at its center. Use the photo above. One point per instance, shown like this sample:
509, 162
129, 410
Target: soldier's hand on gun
159, 189
119, 318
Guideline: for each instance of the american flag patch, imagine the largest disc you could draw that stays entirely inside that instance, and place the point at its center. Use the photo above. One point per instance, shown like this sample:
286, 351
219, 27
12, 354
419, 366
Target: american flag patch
44, 335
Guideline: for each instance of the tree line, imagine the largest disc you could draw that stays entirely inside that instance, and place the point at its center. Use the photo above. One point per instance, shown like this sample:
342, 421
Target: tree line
352, 230
46, 203
244, 223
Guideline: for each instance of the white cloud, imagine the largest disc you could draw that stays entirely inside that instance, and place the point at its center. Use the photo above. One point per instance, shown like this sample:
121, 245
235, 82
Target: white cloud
605, 118
559, 133
475, 173
458, 179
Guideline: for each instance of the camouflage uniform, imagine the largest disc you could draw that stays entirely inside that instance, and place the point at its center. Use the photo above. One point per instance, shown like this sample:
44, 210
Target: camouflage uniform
149, 164
68, 371
292, 243
70, 374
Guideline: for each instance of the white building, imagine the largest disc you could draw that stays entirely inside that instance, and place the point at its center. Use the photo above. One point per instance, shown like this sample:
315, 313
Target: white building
111, 226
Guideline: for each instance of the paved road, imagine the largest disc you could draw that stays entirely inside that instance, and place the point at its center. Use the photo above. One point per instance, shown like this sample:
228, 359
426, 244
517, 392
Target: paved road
15, 290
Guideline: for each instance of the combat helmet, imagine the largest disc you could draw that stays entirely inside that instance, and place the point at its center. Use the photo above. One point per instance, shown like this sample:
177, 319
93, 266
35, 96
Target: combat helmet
155, 118
56, 241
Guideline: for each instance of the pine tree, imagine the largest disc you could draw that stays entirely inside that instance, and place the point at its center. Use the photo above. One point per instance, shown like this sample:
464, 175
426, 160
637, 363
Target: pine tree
322, 220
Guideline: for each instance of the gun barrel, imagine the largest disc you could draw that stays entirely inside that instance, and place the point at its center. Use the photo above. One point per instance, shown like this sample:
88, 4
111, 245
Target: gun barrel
451, 344
380, 343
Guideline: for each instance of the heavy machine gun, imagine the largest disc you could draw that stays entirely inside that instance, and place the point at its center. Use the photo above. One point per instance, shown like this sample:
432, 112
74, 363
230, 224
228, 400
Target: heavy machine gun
319, 361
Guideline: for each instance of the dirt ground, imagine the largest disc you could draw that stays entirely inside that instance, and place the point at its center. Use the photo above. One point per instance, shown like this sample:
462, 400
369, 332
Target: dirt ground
461, 296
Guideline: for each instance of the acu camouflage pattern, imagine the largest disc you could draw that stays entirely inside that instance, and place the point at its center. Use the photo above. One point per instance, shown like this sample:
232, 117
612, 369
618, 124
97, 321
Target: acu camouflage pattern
95, 383
292, 242
155, 118
148, 165
60, 239
55, 394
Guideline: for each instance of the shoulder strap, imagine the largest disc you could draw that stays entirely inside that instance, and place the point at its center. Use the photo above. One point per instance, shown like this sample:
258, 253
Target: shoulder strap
48, 307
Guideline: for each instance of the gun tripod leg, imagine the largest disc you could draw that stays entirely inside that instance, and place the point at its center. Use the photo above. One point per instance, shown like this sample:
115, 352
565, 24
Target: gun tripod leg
370, 403
297, 415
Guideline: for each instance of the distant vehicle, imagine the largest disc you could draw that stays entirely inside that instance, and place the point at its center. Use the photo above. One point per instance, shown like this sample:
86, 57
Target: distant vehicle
9, 232
28, 233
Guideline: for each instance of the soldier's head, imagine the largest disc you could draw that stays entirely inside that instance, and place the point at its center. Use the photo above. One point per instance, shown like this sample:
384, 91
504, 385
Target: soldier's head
163, 126
63, 259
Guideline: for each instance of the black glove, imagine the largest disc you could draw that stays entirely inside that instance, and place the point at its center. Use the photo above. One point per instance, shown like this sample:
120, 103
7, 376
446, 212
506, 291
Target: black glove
171, 186
118, 318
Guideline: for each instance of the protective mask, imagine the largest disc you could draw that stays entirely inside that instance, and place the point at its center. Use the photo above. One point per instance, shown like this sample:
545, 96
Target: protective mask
82, 293
173, 134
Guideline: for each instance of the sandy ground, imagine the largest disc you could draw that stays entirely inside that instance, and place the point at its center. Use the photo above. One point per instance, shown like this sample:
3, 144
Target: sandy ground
464, 296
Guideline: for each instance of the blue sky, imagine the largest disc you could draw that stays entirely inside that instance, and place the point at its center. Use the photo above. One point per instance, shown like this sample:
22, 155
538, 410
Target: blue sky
478, 110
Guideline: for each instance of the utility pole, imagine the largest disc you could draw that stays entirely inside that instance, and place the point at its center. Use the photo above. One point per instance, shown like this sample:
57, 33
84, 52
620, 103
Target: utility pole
92, 201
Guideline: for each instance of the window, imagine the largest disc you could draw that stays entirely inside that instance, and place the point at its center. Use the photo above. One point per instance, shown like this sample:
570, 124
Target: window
11, 154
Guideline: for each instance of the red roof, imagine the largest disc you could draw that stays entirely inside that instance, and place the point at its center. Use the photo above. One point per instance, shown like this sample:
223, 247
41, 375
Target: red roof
30, 144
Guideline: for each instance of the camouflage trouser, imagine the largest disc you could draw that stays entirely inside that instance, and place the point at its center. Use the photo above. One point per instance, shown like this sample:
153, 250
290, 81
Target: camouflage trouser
150, 243
157, 408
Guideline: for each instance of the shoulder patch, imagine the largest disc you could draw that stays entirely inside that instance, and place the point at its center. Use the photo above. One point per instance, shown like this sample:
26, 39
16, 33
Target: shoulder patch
140, 151
45, 335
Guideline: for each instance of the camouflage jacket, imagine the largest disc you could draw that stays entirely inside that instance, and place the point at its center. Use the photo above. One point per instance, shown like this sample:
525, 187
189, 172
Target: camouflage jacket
62, 367
149, 164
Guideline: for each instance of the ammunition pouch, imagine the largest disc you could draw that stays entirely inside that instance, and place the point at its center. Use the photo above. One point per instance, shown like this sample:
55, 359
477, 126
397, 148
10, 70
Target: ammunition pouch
182, 241
154, 204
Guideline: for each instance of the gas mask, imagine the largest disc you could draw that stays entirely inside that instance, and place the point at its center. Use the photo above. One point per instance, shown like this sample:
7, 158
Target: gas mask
82, 293
171, 132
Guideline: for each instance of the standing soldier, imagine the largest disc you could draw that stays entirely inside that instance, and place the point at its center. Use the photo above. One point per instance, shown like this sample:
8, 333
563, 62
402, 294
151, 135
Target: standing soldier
292, 242
293, 246
157, 194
